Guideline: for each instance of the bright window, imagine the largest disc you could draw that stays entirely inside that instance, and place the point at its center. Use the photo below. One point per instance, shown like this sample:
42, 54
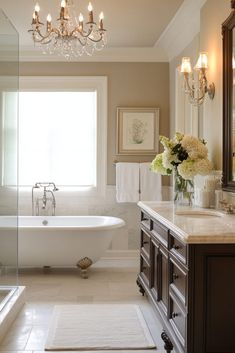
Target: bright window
57, 138
62, 131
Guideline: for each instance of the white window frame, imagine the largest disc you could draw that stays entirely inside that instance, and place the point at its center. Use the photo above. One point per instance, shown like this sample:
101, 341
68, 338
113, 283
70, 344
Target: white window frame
186, 114
79, 83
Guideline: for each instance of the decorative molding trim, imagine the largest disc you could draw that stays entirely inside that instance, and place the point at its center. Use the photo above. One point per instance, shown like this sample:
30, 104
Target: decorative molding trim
154, 54
182, 29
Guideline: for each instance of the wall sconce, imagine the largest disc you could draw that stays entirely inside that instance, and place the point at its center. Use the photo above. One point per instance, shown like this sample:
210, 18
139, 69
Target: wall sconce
198, 87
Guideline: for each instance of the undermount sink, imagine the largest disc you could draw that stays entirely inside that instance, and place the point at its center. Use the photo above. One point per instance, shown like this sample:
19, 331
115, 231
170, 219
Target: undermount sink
198, 213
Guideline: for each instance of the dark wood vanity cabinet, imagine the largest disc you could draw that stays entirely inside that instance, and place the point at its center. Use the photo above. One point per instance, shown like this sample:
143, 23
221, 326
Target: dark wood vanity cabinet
191, 287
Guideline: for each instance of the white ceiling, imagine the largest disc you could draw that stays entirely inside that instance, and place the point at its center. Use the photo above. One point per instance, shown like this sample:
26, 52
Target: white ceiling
133, 26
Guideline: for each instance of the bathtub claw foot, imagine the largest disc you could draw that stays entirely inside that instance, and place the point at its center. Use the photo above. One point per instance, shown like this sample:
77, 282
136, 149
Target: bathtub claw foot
84, 264
84, 274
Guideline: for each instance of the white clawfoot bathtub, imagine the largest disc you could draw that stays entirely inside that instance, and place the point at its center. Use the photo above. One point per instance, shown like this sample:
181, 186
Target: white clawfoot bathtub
57, 240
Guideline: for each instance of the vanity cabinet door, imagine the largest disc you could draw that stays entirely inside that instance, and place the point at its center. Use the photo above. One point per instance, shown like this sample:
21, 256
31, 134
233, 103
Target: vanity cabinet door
145, 243
145, 270
155, 275
159, 275
163, 279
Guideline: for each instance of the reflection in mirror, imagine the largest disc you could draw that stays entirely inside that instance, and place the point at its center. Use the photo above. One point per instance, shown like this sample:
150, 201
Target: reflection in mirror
228, 32
233, 110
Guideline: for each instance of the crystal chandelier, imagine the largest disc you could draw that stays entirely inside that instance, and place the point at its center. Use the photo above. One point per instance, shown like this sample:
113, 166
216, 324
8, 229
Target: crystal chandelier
72, 37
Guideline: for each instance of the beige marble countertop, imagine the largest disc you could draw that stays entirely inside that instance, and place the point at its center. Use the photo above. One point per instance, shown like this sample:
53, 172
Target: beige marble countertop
211, 226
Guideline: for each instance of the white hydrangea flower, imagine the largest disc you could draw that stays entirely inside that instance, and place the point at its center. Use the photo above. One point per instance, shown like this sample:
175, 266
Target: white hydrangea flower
194, 147
186, 152
157, 165
203, 166
178, 136
187, 169
167, 143
167, 158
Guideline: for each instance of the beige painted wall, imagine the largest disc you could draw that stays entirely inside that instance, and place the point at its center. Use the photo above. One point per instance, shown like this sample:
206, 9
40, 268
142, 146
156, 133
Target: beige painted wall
129, 85
213, 13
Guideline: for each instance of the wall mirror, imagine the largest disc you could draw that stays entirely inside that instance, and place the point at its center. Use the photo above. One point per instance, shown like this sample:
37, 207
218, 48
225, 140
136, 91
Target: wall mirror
228, 33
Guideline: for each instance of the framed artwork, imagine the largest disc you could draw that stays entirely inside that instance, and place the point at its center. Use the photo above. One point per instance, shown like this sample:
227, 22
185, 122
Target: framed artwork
137, 131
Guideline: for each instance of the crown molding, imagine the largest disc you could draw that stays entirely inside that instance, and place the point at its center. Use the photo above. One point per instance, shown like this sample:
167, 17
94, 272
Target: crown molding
184, 26
154, 54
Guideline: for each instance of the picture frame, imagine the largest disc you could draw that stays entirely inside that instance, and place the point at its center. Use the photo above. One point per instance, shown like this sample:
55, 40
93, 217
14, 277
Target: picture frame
137, 131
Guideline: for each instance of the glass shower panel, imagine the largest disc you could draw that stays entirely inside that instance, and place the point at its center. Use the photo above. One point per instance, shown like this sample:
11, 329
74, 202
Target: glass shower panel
9, 82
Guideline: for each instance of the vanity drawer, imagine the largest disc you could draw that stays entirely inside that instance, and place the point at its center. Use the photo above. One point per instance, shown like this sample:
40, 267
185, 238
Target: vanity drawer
145, 270
160, 232
146, 220
178, 248
145, 243
178, 320
178, 281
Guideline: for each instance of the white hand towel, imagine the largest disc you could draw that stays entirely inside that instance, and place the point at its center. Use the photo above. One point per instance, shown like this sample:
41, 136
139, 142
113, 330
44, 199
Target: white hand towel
150, 184
127, 182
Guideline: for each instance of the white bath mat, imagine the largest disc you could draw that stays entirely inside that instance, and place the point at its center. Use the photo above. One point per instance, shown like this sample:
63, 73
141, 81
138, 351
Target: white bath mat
98, 327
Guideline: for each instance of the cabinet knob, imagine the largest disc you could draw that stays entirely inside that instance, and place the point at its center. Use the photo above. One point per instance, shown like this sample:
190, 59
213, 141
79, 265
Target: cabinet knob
175, 276
173, 315
176, 247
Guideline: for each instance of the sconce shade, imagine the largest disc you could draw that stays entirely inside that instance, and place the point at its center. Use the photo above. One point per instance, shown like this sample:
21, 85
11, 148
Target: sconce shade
186, 65
202, 62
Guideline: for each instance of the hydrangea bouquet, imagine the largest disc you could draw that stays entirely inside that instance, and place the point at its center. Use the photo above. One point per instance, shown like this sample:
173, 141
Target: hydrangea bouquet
184, 156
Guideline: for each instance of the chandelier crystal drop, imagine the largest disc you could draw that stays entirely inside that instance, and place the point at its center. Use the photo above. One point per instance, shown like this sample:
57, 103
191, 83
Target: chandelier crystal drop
72, 37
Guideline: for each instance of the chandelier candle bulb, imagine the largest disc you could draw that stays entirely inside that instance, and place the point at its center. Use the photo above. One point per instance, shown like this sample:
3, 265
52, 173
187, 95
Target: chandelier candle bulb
48, 22
101, 17
80, 22
90, 9
63, 4
34, 19
37, 9
36, 15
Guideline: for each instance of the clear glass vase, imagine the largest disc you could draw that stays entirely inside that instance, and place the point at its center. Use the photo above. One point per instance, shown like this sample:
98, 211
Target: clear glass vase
183, 190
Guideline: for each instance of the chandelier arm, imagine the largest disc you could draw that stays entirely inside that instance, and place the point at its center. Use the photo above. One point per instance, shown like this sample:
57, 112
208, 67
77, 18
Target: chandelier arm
44, 38
82, 33
82, 44
96, 40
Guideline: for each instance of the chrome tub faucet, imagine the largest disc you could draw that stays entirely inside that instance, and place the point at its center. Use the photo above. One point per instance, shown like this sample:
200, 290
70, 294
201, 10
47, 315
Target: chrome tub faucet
48, 196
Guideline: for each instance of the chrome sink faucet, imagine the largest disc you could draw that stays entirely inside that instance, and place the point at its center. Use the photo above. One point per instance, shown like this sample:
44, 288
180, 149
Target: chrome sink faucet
48, 189
227, 207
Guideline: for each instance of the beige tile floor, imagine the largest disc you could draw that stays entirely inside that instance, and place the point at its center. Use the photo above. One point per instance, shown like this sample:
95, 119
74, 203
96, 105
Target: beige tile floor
108, 282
